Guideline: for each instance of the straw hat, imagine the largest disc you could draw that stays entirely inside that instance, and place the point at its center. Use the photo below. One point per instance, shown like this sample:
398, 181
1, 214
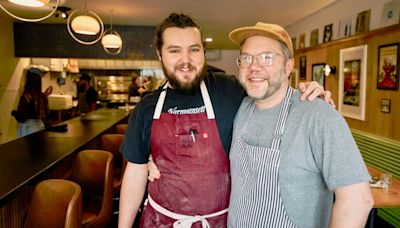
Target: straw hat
276, 32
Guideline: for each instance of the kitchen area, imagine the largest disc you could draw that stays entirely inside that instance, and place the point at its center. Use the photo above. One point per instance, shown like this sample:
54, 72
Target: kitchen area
111, 78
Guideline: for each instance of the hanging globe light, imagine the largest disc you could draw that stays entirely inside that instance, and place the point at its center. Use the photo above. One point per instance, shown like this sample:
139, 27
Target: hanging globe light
85, 22
31, 3
111, 40
85, 25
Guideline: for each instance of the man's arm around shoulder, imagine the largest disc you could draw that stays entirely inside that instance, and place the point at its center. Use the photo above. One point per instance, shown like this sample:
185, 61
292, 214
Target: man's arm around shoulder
352, 206
132, 191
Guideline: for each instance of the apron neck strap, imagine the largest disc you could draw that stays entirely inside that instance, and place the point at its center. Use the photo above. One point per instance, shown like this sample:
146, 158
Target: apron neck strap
207, 101
204, 94
283, 115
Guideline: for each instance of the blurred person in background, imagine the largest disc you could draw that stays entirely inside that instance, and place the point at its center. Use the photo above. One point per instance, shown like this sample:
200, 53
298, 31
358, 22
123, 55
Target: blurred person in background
87, 95
33, 108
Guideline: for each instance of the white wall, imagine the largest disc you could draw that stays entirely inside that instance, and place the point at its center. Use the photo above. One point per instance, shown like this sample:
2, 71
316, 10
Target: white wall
333, 13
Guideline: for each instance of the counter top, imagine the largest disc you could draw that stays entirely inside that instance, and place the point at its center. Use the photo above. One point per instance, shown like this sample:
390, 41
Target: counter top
23, 159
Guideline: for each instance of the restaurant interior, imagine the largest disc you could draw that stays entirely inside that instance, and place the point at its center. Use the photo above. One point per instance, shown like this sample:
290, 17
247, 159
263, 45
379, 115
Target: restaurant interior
351, 49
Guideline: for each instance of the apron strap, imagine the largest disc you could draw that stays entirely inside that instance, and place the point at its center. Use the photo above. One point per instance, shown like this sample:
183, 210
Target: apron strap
207, 100
160, 102
204, 94
184, 221
283, 114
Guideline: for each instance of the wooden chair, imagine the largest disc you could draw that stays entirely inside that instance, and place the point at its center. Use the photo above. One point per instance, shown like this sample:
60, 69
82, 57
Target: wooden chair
112, 143
121, 128
93, 170
55, 203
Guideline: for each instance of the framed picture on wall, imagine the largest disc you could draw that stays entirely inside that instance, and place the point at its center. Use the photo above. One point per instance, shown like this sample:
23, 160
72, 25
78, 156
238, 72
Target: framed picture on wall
390, 13
318, 73
344, 27
352, 81
327, 33
302, 41
363, 19
388, 61
385, 105
314, 37
294, 78
303, 68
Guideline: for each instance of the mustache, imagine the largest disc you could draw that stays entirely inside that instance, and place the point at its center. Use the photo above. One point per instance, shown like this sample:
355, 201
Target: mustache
185, 65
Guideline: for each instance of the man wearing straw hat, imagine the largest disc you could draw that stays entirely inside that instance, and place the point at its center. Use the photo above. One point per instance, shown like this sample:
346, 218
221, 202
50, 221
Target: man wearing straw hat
289, 177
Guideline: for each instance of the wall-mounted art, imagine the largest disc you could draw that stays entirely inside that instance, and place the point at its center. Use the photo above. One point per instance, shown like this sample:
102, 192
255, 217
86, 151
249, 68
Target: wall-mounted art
318, 73
302, 41
388, 74
352, 81
363, 19
344, 27
385, 105
303, 68
327, 33
314, 37
390, 13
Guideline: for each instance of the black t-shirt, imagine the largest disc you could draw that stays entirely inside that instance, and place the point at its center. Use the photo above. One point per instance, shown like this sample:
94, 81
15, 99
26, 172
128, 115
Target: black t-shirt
91, 95
226, 95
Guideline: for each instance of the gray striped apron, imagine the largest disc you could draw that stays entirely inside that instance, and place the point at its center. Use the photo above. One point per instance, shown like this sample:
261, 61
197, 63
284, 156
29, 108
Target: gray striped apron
255, 198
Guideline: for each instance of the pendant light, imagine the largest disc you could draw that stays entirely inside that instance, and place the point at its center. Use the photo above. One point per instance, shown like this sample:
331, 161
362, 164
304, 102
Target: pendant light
85, 22
111, 40
31, 4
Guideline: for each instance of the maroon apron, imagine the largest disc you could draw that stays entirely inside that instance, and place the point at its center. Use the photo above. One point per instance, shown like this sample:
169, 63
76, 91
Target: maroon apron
195, 177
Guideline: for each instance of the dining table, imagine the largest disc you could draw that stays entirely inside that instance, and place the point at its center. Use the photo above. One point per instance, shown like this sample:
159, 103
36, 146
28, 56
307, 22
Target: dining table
383, 198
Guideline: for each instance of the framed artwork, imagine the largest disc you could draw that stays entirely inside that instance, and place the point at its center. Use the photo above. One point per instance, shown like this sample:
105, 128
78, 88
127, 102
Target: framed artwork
388, 61
318, 73
303, 68
294, 78
294, 42
390, 13
352, 81
314, 37
302, 41
327, 33
344, 27
363, 19
385, 105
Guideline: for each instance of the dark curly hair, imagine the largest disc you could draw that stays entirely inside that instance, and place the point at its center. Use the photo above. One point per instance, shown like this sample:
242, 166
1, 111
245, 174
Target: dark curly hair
173, 20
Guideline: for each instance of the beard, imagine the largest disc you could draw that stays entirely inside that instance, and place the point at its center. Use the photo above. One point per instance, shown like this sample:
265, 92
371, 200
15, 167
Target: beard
185, 87
275, 82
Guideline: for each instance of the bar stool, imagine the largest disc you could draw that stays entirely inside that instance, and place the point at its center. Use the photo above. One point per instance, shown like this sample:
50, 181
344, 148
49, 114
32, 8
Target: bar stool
55, 203
121, 128
93, 170
112, 143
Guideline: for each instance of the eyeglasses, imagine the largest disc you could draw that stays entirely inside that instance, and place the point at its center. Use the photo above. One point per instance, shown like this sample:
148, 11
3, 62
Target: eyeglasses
263, 59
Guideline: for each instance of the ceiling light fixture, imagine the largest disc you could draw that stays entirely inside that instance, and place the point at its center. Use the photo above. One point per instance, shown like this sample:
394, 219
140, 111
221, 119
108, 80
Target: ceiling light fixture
31, 3
63, 10
85, 22
111, 40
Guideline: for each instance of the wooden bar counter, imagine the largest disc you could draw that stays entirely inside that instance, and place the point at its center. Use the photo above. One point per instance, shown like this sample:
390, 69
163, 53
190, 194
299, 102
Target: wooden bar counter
45, 154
